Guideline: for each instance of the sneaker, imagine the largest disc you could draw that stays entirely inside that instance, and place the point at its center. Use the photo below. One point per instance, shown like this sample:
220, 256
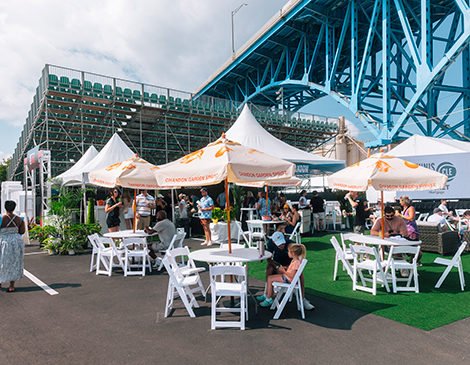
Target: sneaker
266, 303
261, 298
307, 305
204, 243
419, 264
209, 243
404, 273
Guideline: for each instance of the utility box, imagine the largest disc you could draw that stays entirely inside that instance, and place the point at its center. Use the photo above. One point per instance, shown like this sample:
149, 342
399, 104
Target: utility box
13, 190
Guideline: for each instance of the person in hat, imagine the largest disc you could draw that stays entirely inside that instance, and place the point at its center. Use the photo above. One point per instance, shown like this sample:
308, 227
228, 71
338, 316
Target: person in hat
438, 216
160, 203
205, 207
278, 245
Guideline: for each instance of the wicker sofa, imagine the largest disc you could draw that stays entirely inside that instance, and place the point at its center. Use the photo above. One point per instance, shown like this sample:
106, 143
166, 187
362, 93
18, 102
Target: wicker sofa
434, 240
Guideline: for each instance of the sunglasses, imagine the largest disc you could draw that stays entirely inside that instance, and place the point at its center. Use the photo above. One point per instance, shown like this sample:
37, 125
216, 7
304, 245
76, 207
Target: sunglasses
389, 216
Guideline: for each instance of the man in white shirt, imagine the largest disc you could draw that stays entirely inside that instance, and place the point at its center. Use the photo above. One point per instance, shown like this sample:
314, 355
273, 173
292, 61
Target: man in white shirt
437, 217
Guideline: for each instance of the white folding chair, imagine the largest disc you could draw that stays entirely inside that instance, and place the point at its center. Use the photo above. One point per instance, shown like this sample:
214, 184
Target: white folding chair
189, 268
423, 217
106, 256
295, 235
241, 233
344, 237
179, 285
136, 256
371, 265
95, 249
287, 290
342, 256
395, 263
456, 261
176, 241
227, 289
256, 231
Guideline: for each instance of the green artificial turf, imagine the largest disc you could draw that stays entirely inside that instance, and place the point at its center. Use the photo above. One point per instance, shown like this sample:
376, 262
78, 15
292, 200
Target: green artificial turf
428, 309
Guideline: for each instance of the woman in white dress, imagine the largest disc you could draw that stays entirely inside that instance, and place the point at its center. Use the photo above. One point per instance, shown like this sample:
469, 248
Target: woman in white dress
11, 246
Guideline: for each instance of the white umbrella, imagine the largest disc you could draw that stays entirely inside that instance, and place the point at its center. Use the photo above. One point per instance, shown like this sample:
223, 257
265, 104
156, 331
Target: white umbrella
135, 173
386, 173
224, 160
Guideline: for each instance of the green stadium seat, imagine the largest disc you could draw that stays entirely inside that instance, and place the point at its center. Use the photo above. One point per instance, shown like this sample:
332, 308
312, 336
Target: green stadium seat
154, 98
136, 95
118, 91
162, 99
128, 93
146, 96
108, 90
53, 81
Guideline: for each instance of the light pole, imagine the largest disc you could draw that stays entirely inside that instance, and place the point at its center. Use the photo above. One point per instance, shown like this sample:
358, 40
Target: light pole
233, 36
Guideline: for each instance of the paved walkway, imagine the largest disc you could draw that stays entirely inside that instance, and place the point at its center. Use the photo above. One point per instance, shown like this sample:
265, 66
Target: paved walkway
108, 320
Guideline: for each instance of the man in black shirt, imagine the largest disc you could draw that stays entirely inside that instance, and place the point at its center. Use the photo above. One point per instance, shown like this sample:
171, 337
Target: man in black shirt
317, 204
359, 225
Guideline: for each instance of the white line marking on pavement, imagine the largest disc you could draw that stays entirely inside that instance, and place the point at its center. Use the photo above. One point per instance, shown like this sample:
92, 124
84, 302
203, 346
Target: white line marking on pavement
39, 283
198, 239
35, 253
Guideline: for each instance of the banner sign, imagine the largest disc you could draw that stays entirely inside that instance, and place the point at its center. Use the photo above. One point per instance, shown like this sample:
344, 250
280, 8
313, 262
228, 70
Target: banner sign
32, 159
454, 165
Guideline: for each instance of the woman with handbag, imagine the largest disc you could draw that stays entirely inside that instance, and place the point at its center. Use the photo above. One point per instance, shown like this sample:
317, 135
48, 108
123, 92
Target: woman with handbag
11, 246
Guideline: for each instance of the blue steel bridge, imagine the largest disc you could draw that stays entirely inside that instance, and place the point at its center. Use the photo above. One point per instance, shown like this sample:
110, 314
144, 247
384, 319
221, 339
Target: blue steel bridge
402, 67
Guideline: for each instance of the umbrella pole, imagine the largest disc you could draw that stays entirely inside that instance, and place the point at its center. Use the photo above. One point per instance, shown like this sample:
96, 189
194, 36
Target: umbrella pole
227, 206
134, 208
383, 220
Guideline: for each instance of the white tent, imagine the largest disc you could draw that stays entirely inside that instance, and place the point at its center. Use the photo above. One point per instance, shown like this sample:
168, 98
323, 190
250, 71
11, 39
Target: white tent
115, 151
247, 131
448, 156
74, 174
418, 145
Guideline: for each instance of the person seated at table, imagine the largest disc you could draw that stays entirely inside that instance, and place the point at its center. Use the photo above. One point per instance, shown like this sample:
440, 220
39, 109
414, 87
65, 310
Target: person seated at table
292, 219
285, 212
303, 203
449, 215
394, 225
278, 245
285, 274
438, 217
465, 221
165, 229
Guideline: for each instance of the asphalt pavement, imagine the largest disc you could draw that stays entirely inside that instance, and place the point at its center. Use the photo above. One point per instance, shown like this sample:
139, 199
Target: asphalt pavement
108, 320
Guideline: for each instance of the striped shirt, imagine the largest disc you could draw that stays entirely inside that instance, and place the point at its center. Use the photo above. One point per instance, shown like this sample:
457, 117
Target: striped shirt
141, 204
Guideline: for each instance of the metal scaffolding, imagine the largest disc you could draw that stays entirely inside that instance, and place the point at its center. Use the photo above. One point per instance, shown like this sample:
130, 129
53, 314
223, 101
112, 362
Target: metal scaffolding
73, 110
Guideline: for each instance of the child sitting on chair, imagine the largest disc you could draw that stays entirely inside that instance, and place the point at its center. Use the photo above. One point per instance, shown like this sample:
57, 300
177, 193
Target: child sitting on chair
286, 275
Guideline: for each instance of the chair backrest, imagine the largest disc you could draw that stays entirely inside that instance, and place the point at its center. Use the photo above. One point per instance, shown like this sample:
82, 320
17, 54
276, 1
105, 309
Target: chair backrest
411, 250
180, 252
236, 270
102, 240
172, 269
295, 232
365, 250
336, 246
93, 238
459, 212
299, 272
423, 217
256, 227
134, 241
344, 237
458, 253
177, 240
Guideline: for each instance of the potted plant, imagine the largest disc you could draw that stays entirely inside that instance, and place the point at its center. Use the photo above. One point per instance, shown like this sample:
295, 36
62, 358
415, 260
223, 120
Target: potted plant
216, 215
51, 245
232, 218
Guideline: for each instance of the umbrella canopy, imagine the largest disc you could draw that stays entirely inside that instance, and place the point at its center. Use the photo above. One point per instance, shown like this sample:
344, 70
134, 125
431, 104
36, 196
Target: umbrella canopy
223, 160
386, 173
293, 181
134, 173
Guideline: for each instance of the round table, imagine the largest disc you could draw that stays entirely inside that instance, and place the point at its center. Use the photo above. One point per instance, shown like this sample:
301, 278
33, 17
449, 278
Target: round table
213, 255
128, 233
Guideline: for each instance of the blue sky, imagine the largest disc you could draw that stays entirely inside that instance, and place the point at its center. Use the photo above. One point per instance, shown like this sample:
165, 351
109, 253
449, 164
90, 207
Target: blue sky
171, 43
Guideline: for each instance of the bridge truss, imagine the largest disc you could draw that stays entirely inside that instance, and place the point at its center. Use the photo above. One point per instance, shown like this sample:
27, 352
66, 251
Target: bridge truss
402, 66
